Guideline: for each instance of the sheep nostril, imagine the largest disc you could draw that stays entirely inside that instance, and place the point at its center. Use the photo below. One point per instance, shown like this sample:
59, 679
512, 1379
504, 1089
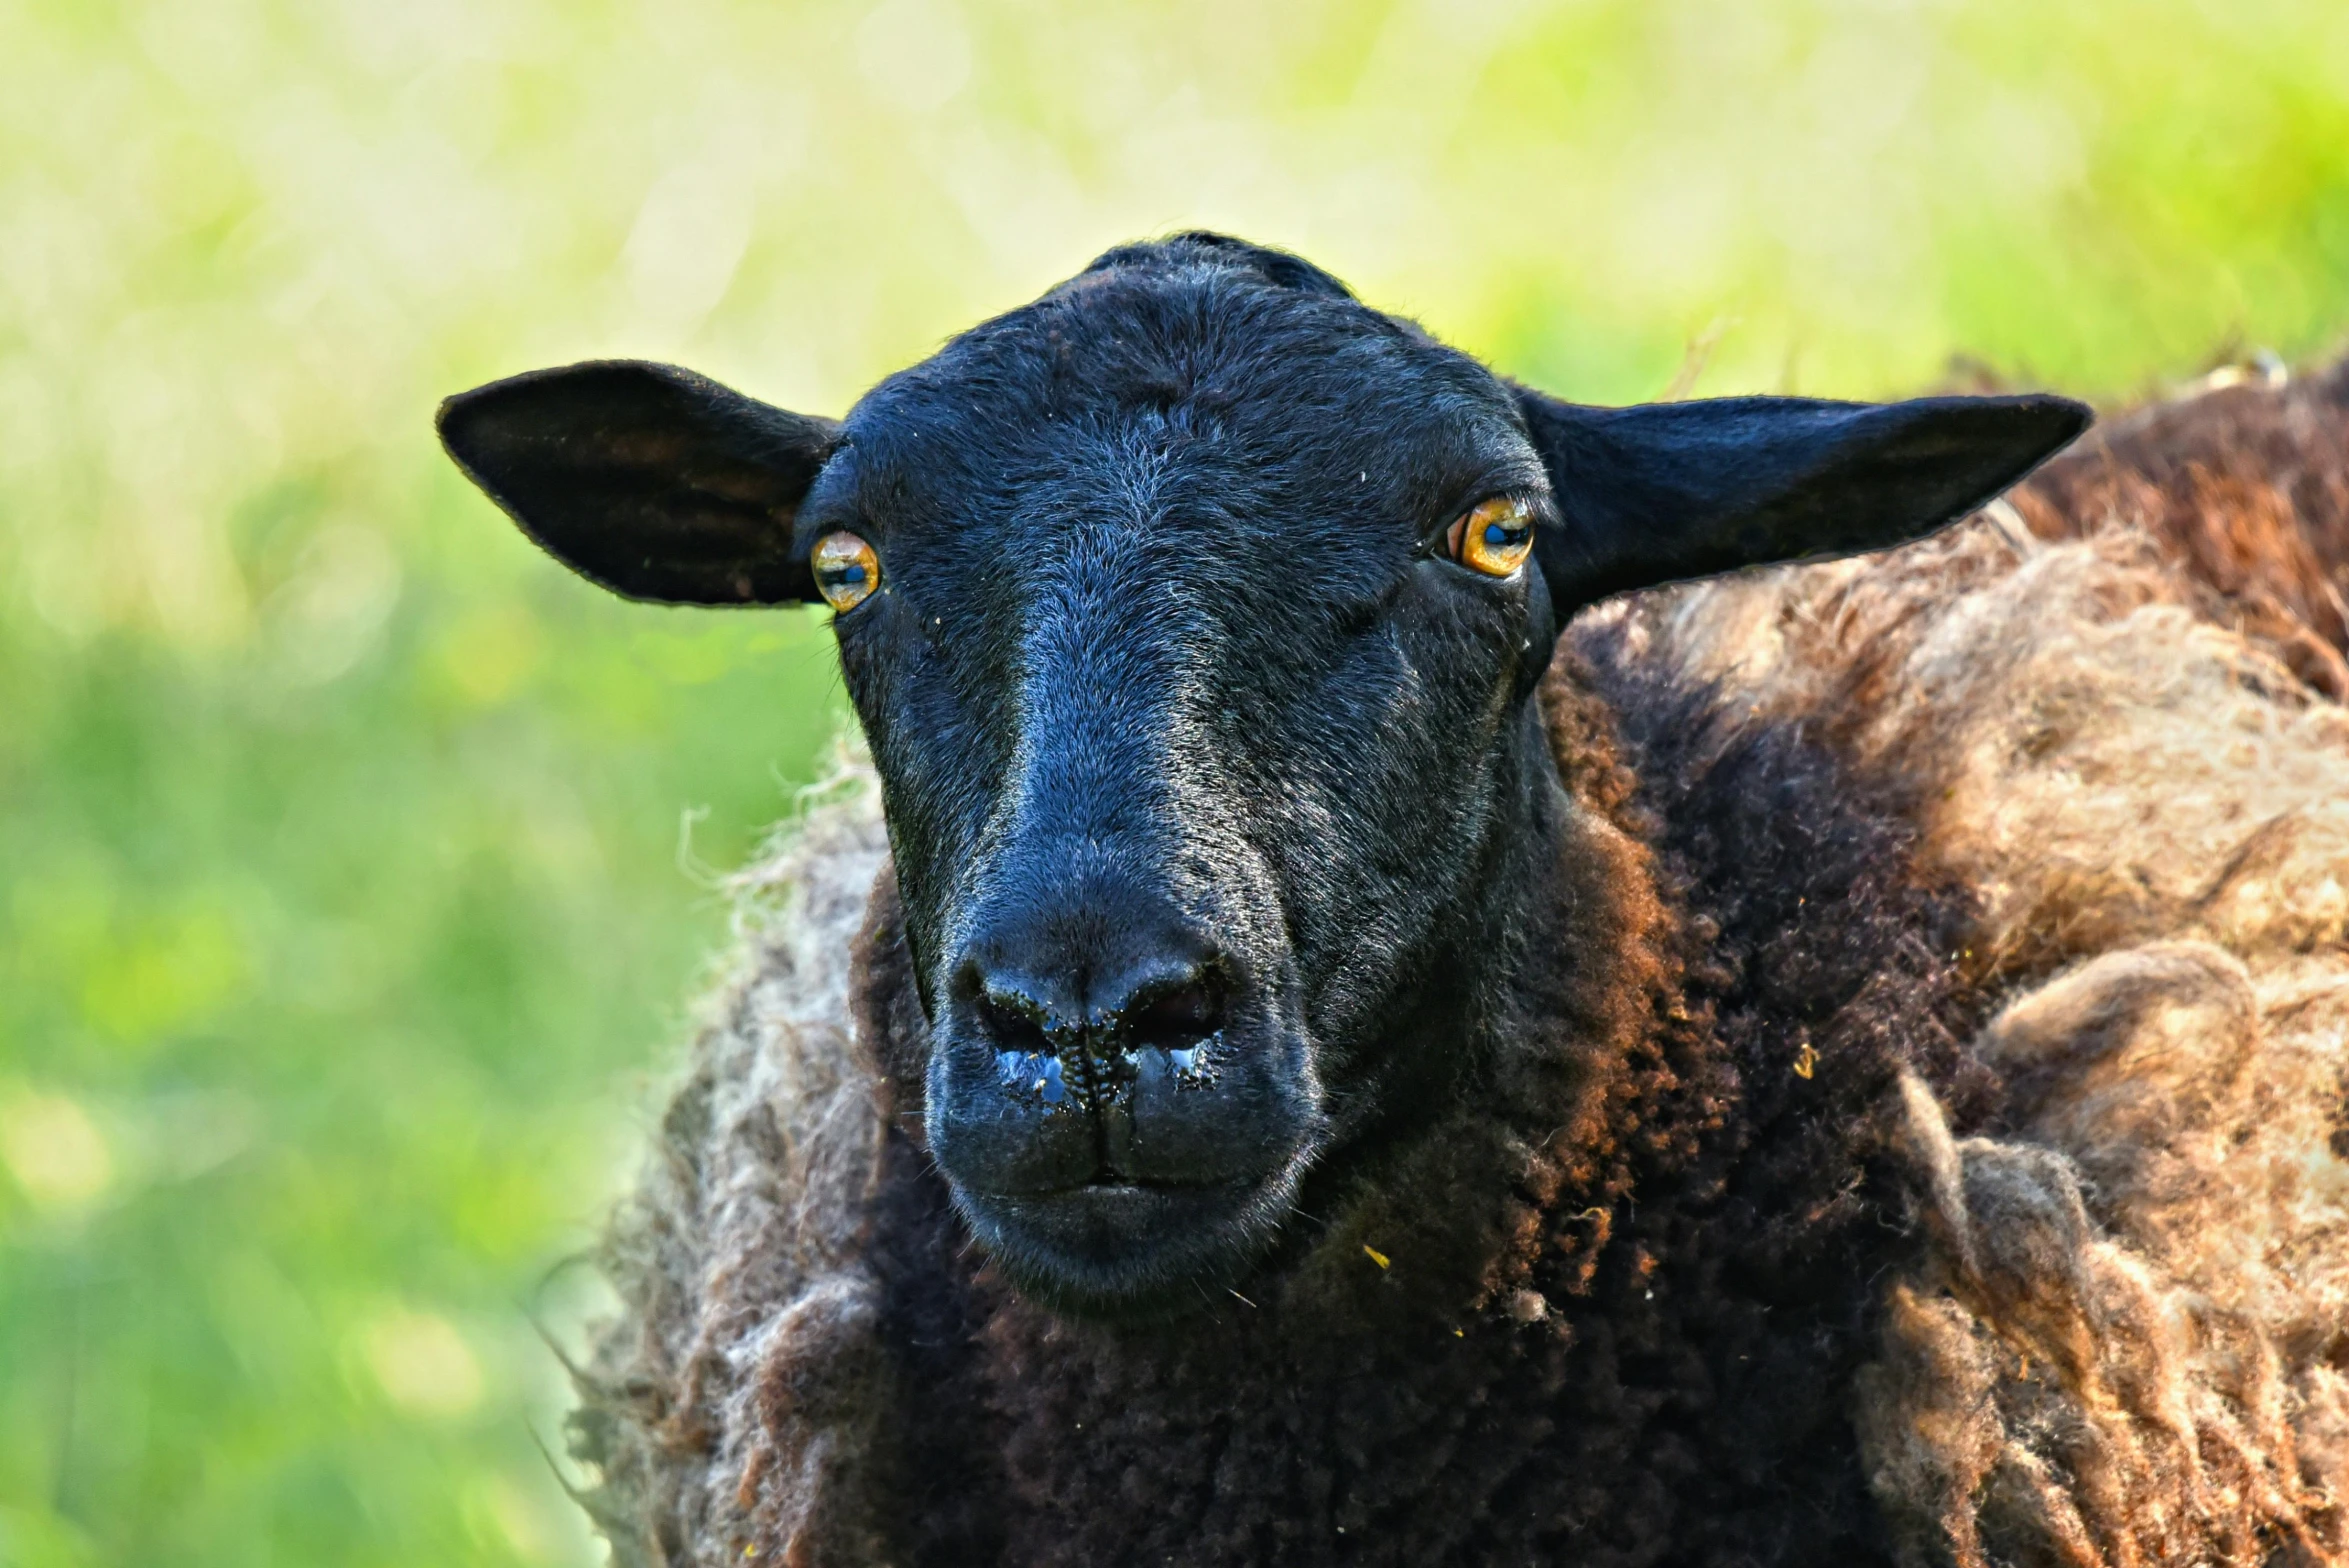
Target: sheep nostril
1014, 1022
1176, 1017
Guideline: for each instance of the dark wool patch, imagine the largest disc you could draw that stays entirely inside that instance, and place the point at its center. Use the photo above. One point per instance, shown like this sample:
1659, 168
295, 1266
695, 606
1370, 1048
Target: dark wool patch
2246, 489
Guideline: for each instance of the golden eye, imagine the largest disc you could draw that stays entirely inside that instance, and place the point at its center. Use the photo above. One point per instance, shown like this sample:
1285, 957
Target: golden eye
847, 571
1493, 537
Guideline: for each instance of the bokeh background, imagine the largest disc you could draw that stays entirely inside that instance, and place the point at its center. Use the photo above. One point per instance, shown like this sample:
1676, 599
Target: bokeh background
356, 863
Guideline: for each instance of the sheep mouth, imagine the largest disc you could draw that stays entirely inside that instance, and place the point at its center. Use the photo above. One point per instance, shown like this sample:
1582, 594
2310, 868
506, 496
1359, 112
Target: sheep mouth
1118, 1248
1158, 1173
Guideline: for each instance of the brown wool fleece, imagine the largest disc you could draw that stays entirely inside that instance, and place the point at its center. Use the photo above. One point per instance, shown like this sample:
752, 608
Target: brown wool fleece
1921, 1139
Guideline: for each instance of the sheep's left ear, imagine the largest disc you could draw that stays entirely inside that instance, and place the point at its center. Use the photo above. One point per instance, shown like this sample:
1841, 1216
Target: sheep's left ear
656, 483
1666, 491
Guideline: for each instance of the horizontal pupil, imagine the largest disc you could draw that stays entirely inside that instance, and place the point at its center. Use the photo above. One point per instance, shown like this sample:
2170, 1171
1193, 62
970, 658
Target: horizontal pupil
1502, 535
848, 576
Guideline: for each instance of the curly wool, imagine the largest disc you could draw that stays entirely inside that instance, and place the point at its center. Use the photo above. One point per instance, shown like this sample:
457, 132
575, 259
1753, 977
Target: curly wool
2126, 1339
741, 1248
1945, 1167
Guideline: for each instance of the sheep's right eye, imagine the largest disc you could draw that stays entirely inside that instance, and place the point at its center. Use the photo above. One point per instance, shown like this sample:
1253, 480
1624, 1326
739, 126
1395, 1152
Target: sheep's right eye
1494, 537
847, 571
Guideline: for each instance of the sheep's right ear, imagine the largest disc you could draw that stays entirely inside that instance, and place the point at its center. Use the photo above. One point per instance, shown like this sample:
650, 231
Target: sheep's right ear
1661, 492
652, 481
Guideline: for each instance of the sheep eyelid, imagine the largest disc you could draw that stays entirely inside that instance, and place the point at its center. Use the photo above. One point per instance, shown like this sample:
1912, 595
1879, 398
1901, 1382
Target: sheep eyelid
1533, 497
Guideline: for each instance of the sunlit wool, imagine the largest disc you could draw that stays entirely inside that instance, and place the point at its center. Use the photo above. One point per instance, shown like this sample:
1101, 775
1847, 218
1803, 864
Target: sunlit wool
1980, 1015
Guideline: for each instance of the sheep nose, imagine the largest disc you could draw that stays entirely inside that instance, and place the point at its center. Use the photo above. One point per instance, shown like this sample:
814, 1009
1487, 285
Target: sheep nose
1168, 1001
1059, 1074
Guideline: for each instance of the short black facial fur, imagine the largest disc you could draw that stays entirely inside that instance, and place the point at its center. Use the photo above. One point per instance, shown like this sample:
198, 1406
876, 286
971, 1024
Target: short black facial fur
1215, 790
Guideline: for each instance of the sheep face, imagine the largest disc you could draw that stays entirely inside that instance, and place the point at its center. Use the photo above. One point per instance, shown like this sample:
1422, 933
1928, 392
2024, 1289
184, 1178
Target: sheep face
1195, 742
1190, 617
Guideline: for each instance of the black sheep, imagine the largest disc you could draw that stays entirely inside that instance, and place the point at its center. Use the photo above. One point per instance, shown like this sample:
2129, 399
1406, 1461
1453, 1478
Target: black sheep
1420, 1091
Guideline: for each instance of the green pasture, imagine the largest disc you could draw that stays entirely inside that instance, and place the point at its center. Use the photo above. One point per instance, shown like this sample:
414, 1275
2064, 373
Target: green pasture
356, 863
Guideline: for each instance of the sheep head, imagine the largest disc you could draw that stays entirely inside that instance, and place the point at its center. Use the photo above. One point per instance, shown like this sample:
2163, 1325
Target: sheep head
1193, 615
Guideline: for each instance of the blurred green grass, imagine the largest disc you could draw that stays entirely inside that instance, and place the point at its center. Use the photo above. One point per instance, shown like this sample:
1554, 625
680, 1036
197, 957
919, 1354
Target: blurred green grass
343, 913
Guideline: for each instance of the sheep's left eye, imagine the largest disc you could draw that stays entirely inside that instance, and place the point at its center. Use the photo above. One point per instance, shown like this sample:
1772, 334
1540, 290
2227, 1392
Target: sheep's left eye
1493, 537
847, 571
